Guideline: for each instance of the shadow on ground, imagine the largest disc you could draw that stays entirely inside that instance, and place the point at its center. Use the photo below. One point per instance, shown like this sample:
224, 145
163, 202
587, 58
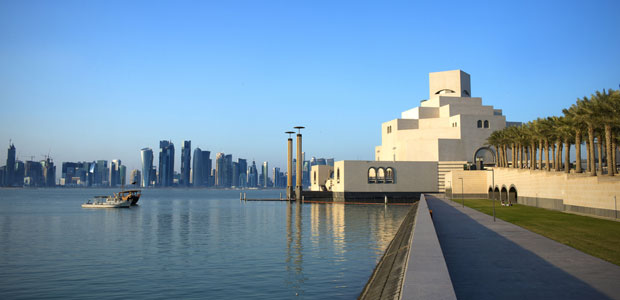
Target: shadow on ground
485, 265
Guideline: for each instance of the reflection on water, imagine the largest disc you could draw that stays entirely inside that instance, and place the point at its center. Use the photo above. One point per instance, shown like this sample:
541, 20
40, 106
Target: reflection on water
188, 244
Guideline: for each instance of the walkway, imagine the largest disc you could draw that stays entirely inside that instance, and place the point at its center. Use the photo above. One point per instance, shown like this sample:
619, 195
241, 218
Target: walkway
499, 260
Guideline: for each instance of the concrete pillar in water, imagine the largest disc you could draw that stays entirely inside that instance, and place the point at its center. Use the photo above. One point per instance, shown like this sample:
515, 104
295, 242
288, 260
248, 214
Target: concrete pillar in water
298, 167
289, 167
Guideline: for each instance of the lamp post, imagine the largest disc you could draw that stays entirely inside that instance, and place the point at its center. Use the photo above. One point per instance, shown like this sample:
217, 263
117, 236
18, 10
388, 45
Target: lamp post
462, 192
289, 166
298, 176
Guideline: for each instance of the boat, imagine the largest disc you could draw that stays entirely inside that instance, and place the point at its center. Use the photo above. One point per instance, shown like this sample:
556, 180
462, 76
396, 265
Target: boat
107, 202
131, 195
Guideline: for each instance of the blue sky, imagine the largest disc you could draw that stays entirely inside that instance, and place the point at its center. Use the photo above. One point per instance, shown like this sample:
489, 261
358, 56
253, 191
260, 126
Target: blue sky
88, 80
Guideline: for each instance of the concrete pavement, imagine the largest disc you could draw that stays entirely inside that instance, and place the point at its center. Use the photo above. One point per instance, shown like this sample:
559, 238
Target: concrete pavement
499, 260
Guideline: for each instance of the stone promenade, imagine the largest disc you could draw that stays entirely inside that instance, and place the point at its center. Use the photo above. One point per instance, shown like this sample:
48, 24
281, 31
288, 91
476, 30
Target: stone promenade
499, 260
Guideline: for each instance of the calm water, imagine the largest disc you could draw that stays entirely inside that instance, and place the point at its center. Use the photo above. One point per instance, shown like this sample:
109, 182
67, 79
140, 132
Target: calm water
187, 244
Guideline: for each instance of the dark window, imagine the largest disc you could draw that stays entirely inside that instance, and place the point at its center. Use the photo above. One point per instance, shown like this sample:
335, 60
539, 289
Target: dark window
486, 124
479, 123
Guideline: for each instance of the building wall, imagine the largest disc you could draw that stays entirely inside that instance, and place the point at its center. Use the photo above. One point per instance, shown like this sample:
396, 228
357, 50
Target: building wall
319, 176
553, 190
409, 176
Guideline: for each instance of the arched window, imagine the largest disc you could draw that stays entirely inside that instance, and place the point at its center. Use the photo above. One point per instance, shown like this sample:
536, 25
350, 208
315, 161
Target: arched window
389, 175
486, 123
372, 175
479, 123
338, 175
444, 91
380, 175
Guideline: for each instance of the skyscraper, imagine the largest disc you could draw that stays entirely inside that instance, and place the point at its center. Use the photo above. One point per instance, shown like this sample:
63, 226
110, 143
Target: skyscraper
115, 175
185, 162
220, 161
197, 172
207, 178
252, 175
147, 164
228, 170
123, 175
9, 176
49, 172
166, 163
235, 174
265, 173
135, 177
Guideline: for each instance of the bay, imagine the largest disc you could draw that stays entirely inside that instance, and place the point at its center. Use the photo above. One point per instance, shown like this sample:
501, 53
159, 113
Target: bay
187, 244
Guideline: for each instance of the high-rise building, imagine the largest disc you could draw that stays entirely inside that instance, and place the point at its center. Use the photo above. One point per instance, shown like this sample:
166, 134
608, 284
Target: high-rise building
9, 177
252, 175
146, 155
18, 180
186, 152
235, 174
265, 175
49, 172
166, 163
136, 177
207, 177
220, 161
115, 175
123, 175
276, 177
101, 173
197, 172
228, 170
33, 175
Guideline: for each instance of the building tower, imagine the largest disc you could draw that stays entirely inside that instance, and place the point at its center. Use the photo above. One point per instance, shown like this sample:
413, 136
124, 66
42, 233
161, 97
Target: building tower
185, 162
147, 164
10, 166
166, 163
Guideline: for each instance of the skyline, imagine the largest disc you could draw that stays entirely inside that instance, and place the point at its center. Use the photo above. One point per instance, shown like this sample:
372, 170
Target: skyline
231, 78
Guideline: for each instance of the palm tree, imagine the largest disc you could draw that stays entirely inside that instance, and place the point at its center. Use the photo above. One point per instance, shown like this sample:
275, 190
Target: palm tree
587, 114
572, 114
607, 109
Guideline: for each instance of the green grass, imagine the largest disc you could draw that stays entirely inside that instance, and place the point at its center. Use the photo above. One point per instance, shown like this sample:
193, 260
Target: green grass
597, 237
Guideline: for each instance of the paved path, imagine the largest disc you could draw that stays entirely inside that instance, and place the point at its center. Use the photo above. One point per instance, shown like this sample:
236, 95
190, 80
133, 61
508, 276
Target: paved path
488, 260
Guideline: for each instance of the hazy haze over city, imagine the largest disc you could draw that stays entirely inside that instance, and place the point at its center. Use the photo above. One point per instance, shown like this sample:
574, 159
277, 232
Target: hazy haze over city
88, 80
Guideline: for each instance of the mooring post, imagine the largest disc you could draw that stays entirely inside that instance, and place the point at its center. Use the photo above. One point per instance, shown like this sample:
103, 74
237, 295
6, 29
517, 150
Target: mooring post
385, 201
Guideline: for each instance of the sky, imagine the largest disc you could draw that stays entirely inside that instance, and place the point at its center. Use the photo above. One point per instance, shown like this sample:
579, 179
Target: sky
90, 80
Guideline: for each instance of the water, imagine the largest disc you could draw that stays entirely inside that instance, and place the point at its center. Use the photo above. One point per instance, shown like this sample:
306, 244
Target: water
187, 244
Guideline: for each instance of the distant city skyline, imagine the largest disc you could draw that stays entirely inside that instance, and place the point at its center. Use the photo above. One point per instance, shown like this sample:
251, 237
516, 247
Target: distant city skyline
88, 80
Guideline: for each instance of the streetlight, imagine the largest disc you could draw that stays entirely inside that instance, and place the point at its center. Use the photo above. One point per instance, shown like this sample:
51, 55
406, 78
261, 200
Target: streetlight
462, 193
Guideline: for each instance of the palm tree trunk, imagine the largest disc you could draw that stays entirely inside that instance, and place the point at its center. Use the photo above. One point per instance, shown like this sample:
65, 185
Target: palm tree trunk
578, 151
599, 149
514, 154
553, 156
591, 150
540, 154
558, 156
567, 156
521, 152
547, 165
610, 169
533, 155
613, 155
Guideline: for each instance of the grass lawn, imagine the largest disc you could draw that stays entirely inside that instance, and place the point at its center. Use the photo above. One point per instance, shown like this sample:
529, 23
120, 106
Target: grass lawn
597, 237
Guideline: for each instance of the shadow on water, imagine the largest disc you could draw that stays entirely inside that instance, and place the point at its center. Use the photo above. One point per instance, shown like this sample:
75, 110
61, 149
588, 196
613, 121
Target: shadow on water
485, 265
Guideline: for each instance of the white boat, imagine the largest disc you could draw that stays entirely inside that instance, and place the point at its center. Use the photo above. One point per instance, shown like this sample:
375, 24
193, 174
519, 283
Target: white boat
107, 202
